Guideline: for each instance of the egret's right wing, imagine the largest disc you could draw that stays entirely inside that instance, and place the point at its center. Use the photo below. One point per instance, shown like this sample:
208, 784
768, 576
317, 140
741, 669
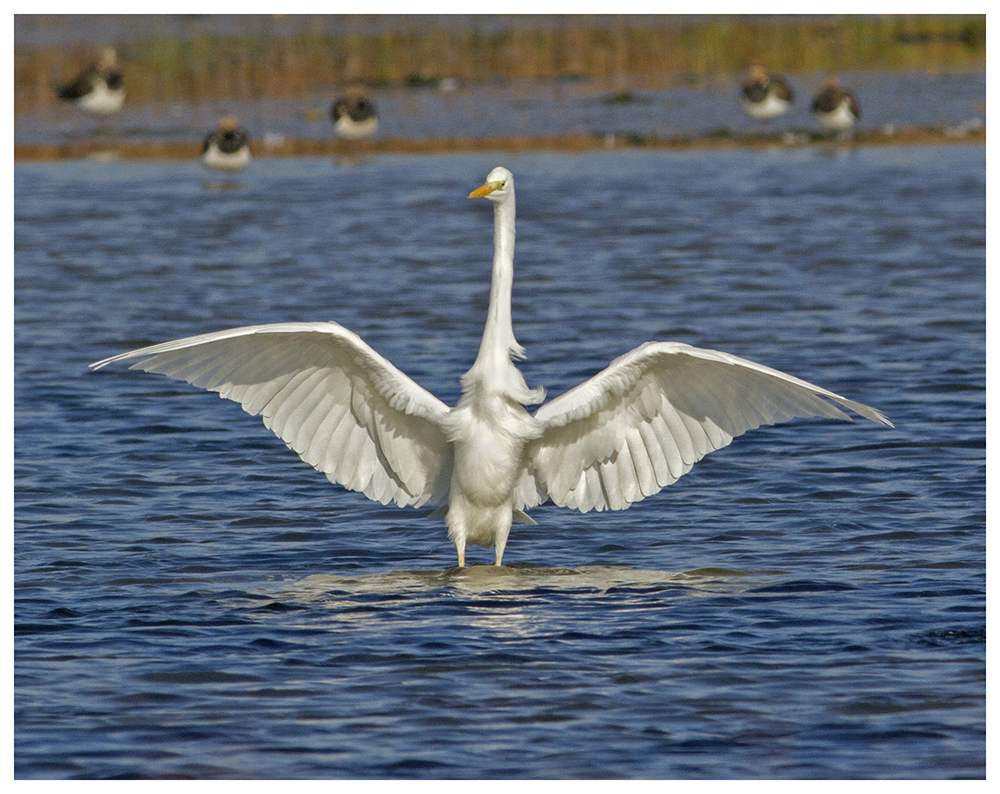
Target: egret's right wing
328, 395
646, 419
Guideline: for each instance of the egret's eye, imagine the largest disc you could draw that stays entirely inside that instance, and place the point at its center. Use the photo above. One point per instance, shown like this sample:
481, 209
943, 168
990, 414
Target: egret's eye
500, 185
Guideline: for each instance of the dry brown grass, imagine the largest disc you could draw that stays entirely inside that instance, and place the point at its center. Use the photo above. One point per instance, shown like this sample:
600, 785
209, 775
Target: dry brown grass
292, 57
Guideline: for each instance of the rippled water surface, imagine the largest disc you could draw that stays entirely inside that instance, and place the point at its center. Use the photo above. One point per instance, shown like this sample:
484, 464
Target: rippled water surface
193, 600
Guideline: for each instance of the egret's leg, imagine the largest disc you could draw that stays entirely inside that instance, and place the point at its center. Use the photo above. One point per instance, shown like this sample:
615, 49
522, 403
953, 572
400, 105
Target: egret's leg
501, 544
460, 547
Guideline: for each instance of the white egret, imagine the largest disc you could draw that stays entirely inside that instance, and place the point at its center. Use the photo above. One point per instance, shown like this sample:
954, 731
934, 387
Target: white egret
611, 441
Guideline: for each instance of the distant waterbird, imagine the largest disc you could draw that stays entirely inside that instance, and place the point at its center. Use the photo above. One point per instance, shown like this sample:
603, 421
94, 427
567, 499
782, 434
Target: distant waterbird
835, 107
613, 440
100, 88
766, 96
226, 148
424, 79
354, 115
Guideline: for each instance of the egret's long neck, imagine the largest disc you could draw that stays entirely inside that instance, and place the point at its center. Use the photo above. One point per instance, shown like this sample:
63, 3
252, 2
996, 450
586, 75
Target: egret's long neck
498, 342
493, 371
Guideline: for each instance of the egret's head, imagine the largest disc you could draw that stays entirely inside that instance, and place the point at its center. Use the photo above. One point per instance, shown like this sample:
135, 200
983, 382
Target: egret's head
499, 184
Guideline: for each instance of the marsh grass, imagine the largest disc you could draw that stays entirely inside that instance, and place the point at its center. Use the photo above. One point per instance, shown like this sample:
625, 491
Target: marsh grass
289, 57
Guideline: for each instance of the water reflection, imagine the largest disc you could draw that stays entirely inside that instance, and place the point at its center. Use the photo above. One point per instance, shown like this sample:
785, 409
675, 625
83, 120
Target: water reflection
519, 577
519, 601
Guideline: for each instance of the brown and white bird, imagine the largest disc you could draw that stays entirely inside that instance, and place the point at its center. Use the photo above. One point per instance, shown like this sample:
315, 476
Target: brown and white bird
227, 148
354, 115
765, 96
100, 88
835, 107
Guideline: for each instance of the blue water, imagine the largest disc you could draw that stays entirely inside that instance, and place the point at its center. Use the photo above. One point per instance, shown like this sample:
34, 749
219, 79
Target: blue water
193, 600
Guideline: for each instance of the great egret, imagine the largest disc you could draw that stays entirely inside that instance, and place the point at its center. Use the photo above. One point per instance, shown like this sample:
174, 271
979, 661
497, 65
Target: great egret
835, 107
100, 88
611, 441
354, 115
227, 148
766, 96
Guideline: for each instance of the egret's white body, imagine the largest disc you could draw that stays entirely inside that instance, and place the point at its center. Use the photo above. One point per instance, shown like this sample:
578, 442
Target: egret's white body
619, 437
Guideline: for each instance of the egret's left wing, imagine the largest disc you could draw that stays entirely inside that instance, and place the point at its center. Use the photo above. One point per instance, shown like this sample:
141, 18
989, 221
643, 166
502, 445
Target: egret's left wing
646, 419
326, 393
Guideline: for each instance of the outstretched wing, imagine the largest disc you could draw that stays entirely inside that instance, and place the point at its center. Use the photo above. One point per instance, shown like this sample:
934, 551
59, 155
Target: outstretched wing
641, 423
341, 406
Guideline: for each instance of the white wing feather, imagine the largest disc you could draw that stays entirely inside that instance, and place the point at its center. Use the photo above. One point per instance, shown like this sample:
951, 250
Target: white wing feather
346, 410
645, 420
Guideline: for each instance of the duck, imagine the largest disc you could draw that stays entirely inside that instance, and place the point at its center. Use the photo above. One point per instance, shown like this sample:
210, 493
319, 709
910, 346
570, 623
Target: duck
835, 107
766, 96
100, 88
226, 148
354, 115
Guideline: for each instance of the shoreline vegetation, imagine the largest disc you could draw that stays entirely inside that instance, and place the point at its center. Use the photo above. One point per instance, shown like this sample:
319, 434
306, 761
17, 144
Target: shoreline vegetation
289, 57
173, 61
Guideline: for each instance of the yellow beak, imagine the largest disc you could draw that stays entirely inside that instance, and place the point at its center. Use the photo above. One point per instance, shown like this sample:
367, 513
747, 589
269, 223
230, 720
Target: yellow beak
485, 190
